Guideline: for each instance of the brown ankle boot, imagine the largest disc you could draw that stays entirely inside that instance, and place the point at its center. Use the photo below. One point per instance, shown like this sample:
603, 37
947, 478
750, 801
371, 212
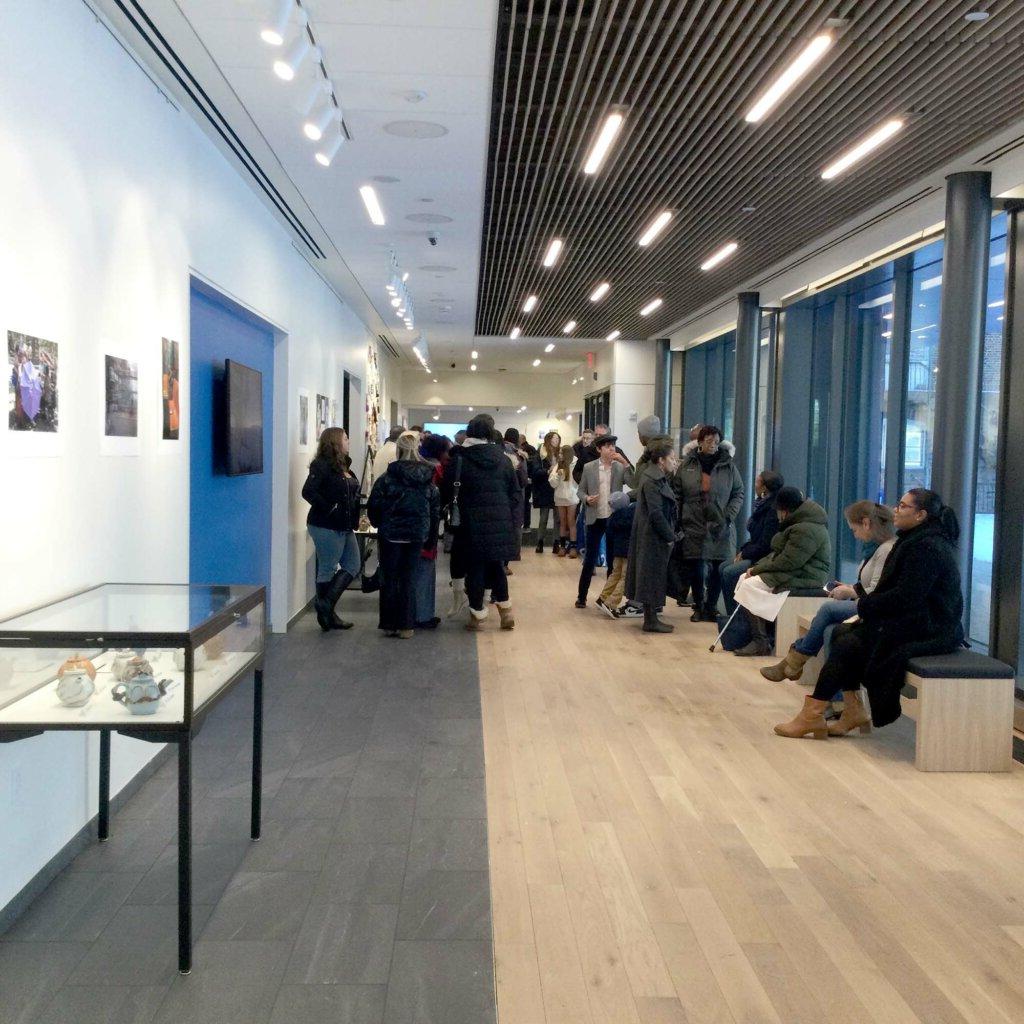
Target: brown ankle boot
505, 614
791, 667
811, 719
473, 624
854, 716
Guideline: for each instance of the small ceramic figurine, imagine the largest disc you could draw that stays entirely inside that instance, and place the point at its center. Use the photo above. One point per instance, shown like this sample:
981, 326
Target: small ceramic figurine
141, 694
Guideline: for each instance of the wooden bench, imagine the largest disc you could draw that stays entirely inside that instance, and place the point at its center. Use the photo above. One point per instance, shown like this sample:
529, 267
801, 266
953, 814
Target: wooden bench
799, 603
964, 712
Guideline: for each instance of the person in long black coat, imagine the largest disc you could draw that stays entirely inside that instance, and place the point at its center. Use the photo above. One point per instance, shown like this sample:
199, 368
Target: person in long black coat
654, 533
916, 610
490, 514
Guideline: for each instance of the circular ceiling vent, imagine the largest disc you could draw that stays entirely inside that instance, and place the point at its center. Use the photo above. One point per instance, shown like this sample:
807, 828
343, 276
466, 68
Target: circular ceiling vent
437, 268
428, 218
415, 129
385, 179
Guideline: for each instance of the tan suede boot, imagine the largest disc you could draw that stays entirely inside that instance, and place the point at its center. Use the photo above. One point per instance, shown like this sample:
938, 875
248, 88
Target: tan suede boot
791, 667
854, 716
811, 719
505, 614
474, 624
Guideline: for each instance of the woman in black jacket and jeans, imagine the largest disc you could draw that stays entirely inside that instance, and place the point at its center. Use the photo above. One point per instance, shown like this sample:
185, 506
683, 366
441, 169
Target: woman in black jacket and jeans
762, 525
405, 507
333, 495
916, 610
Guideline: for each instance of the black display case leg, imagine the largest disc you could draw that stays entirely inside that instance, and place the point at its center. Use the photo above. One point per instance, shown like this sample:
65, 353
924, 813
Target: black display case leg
104, 815
257, 754
185, 853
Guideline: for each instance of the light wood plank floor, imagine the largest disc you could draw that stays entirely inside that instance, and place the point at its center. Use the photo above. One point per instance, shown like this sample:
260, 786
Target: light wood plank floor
658, 856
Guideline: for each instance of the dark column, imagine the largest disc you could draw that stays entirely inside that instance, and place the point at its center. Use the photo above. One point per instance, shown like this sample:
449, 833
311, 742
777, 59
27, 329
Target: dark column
744, 414
662, 383
961, 339
1008, 556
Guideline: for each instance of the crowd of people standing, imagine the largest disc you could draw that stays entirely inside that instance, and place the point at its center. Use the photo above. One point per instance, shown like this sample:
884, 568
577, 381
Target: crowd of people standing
666, 529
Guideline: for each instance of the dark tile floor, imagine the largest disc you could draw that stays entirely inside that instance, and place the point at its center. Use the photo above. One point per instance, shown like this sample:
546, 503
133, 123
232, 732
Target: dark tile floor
366, 901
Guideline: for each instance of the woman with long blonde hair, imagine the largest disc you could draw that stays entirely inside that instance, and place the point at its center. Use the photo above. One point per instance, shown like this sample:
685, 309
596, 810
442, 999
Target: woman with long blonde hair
333, 495
566, 500
543, 493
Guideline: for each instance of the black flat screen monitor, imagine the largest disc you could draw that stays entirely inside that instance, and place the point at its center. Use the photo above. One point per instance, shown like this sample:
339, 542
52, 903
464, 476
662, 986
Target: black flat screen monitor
244, 392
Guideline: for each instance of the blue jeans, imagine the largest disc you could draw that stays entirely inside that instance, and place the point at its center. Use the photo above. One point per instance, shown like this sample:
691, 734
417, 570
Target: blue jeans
828, 614
424, 579
334, 548
730, 575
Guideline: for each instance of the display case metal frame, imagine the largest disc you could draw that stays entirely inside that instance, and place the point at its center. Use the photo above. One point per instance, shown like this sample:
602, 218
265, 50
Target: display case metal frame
180, 733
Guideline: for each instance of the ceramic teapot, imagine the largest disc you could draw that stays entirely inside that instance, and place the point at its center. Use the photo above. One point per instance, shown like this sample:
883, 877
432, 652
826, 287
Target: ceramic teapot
134, 666
141, 694
74, 687
118, 662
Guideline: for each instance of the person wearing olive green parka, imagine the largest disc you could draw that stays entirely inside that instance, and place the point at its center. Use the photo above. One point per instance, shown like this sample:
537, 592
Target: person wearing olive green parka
800, 558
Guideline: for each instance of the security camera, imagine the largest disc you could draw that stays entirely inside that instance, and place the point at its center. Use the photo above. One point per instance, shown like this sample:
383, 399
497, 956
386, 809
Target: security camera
432, 239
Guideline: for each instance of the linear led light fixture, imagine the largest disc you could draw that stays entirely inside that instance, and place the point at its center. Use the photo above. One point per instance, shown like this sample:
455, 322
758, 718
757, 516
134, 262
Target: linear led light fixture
719, 257
655, 228
600, 291
569, 327
650, 307
551, 254
862, 149
881, 300
274, 29
372, 204
530, 304
996, 304
515, 332
605, 137
613, 335
797, 68
549, 347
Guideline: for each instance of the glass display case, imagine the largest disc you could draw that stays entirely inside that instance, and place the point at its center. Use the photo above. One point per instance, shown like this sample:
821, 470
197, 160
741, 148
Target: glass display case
120, 655
145, 660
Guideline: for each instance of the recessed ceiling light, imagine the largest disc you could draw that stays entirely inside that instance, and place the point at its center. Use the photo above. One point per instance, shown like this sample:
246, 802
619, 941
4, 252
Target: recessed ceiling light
655, 228
976, 16
396, 302
613, 336
723, 254
372, 204
605, 137
793, 72
568, 416
274, 30
650, 307
474, 354
747, 209
549, 347
435, 380
861, 150
472, 366
569, 327
470, 408
514, 333
405, 276
530, 304
536, 362
551, 254
600, 291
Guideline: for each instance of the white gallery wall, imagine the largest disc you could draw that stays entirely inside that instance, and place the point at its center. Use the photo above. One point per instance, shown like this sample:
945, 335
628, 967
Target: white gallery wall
111, 197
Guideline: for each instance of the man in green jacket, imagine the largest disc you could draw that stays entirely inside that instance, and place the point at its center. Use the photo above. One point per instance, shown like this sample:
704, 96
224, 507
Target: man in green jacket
800, 559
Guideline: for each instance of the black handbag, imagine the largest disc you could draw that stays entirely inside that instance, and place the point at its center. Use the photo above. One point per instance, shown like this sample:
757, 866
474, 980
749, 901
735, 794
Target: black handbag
452, 515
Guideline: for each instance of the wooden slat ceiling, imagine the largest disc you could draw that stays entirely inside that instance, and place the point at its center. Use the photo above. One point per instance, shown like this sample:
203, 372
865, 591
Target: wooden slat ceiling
688, 71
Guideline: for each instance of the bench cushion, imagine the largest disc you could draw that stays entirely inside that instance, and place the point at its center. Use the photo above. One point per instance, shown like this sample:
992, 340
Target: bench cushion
959, 665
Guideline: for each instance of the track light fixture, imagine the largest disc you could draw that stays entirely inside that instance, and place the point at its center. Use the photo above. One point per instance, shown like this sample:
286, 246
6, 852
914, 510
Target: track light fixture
320, 120
286, 66
275, 28
327, 153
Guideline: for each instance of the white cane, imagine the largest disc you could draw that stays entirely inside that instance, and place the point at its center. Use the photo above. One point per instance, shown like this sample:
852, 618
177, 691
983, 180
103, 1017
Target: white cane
718, 639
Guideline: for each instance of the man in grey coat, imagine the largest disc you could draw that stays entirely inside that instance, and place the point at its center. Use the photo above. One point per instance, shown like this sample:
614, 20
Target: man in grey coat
600, 480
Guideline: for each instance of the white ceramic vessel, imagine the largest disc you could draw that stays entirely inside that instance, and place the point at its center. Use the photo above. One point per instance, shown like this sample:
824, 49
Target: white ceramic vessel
75, 687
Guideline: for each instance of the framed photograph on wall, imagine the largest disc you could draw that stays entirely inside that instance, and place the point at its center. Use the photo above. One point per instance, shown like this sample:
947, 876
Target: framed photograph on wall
170, 393
33, 392
120, 406
303, 420
322, 413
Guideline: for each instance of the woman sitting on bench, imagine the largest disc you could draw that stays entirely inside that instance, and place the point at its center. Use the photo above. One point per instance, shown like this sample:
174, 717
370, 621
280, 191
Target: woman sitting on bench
916, 609
871, 524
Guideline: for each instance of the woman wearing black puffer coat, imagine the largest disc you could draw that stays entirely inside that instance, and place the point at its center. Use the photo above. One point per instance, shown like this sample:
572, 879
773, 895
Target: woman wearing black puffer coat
405, 507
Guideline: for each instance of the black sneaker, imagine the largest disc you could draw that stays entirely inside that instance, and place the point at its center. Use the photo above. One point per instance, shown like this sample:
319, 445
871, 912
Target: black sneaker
610, 612
630, 611
581, 604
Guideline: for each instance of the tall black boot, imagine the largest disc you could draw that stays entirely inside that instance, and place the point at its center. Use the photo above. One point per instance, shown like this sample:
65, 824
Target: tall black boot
652, 624
321, 605
335, 589
698, 611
